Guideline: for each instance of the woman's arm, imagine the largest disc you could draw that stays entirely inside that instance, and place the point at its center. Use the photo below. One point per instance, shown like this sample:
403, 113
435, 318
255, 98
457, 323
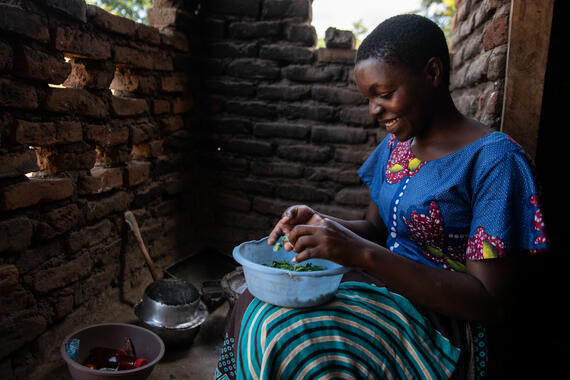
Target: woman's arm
481, 294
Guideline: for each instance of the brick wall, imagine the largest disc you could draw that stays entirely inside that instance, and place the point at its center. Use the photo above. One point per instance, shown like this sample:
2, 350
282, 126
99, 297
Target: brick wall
284, 121
95, 112
478, 58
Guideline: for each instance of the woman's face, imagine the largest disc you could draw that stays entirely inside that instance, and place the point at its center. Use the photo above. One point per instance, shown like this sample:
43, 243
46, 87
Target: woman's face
398, 96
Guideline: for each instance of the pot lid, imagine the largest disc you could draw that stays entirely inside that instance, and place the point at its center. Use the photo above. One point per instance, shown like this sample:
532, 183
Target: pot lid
172, 291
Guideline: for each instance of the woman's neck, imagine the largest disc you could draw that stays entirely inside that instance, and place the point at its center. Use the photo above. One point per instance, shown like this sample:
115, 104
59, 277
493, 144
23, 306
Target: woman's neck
447, 132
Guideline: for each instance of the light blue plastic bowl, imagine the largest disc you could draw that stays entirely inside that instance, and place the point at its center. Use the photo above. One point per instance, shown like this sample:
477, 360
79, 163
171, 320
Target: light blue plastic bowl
286, 288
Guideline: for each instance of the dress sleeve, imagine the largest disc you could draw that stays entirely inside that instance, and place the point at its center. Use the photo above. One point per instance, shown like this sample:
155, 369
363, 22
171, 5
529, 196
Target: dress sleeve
506, 212
372, 167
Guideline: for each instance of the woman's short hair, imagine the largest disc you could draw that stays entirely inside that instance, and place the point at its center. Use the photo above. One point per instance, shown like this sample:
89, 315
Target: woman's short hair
406, 39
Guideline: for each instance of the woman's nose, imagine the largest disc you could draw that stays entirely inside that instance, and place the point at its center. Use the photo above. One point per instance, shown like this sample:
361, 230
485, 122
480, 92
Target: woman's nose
374, 108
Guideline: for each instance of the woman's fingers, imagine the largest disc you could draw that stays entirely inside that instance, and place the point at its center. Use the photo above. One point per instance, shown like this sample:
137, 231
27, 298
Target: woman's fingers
306, 254
279, 230
303, 237
291, 216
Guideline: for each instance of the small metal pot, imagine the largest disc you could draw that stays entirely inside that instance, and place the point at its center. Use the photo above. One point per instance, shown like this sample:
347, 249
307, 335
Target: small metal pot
172, 309
176, 336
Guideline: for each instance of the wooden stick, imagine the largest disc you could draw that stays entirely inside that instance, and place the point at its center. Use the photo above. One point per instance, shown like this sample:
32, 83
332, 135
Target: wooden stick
132, 222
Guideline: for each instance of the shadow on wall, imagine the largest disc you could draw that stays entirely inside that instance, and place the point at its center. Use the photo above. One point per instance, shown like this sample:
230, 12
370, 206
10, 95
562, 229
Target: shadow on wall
283, 123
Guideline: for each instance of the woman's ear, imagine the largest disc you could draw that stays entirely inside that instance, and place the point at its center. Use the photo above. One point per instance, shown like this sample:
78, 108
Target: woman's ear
434, 71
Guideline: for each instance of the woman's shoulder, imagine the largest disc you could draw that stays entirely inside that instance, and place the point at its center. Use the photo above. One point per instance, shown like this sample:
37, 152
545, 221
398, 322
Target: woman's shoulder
497, 145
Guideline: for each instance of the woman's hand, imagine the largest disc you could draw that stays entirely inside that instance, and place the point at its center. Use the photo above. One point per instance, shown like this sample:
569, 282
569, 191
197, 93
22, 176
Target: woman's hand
294, 215
328, 240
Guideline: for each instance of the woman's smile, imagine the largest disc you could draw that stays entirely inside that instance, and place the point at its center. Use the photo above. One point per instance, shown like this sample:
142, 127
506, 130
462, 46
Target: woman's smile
391, 124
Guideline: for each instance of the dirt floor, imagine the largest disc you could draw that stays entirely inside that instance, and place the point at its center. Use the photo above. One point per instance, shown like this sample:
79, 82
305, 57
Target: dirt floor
198, 361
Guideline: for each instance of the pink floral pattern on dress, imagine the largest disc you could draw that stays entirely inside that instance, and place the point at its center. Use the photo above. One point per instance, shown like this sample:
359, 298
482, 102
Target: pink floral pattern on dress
402, 162
484, 246
428, 232
538, 223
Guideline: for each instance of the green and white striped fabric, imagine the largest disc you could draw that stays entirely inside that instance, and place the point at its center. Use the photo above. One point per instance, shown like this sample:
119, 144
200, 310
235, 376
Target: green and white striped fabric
365, 332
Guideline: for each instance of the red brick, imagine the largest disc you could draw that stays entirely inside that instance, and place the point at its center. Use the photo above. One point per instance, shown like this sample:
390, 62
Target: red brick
54, 160
102, 207
234, 201
286, 53
149, 85
31, 259
53, 278
175, 39
57, 222
115, 155
109, 134
9, 278
133, 57
161, 60
89, 236
111, 22
297, 9
34, 64
33, 191
73, 8
181, 105
16, 234
171, 123
6, 57
122, 106
48, 133
75, 101
16, 20
63, 306
31, 133
100, 180
160, 106
136, 172
496, 33
148, 34
163, 17
15, 164
148, 150
335, 56
69, 131
17, 95
174, 83
19, 328
80, 44
248, 8
143, 132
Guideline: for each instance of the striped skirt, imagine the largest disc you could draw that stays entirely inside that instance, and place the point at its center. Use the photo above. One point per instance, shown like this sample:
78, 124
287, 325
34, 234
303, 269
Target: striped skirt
365, 332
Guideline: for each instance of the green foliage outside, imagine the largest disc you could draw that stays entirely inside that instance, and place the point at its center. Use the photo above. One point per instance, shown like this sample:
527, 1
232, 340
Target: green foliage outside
132, 9
441, 12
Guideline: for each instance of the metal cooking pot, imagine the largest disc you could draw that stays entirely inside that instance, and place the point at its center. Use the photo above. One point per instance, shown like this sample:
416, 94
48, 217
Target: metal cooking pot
170, 303
170, 307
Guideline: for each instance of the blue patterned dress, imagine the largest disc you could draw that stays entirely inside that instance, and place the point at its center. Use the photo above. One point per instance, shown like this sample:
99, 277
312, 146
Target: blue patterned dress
477, 203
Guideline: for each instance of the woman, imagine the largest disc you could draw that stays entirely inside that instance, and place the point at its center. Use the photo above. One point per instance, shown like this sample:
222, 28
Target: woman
453, 203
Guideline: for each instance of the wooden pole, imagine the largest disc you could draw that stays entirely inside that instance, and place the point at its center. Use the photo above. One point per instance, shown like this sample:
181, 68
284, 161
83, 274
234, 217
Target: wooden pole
529, 39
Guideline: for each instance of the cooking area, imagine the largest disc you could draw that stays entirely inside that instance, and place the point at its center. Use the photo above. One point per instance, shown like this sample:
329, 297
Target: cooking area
134, 159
